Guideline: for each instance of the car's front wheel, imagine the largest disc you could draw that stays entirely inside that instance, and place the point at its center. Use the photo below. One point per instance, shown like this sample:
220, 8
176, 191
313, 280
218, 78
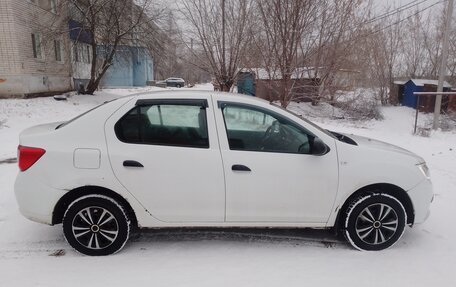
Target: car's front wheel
375, 221
96, 225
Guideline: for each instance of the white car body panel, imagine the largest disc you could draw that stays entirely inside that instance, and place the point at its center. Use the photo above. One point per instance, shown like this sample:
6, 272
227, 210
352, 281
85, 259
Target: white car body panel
188, 188
286, 194
372, 163
196, 187
39, 188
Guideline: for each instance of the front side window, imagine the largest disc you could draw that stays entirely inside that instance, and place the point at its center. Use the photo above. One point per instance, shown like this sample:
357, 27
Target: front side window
253, 129
165, 124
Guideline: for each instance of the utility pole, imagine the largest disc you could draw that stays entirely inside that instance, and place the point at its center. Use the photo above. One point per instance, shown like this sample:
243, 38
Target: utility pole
446, 43
191, 78
223, 46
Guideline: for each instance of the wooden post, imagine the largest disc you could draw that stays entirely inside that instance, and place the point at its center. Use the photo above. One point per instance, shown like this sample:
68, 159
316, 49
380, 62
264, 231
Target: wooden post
416, 114
418, 94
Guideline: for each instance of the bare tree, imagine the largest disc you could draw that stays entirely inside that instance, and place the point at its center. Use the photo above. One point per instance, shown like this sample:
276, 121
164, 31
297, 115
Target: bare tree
422, 45
452, 53
384, 51
330, 48
167, 64
284, 23
111, 24
306, 39
106, 25
415, 45
221, 29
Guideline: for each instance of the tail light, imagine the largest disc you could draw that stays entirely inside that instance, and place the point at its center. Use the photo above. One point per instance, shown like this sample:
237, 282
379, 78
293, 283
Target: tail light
27, 156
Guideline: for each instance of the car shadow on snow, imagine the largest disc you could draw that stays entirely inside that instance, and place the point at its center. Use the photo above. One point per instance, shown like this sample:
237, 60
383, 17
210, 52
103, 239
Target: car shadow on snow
290, 236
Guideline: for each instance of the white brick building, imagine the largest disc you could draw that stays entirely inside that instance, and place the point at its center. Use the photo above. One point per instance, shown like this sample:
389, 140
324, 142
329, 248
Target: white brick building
31, 61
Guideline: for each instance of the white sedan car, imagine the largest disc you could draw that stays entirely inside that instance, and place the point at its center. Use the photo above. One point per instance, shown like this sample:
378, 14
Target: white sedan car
209, 159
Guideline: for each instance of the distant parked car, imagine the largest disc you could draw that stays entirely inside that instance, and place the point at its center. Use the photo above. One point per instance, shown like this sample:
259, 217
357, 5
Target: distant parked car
174, 82
211, 159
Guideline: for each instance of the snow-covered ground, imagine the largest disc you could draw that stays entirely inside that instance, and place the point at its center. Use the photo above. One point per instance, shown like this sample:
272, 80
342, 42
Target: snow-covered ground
37, 255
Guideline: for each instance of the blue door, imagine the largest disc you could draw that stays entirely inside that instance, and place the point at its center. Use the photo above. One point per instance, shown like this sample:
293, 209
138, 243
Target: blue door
246, 83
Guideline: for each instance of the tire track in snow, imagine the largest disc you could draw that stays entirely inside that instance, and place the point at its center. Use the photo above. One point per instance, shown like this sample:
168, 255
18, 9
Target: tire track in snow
145, 239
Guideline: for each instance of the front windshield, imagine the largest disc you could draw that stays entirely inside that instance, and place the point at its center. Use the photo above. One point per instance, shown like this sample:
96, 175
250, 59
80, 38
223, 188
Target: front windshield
326, 132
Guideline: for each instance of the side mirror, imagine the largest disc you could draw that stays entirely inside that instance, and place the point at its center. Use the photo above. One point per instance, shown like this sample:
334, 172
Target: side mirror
319, 147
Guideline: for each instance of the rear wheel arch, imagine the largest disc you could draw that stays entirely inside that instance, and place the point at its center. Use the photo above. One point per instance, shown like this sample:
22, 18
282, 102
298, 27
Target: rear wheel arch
385, 188
65, 201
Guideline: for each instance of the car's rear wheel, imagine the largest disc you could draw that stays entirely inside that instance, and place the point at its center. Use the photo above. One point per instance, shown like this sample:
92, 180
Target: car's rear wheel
96, 225
375, 221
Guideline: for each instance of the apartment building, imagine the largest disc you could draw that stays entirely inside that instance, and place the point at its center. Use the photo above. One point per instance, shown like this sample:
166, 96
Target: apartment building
33, 61
44, 50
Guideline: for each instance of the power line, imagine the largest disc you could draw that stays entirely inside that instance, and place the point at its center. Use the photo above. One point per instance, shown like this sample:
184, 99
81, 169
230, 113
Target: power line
406, 18
390, 13
395, 11
392, 24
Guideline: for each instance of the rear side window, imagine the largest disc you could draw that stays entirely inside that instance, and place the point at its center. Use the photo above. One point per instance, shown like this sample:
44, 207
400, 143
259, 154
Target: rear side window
165, 124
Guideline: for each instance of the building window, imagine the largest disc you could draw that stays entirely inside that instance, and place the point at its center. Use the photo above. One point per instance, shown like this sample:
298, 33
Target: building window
75, 52
48, 5
82, 53
36, 43
58, 48
53, 6
88, 54
85, 53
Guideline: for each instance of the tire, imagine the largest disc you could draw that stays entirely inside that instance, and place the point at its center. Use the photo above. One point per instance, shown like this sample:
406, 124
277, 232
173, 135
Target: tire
374, 222
96, 225
178, 86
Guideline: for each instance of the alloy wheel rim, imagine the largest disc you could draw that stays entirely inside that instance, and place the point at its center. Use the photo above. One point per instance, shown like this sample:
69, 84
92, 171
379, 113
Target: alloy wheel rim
376, 224
95, 227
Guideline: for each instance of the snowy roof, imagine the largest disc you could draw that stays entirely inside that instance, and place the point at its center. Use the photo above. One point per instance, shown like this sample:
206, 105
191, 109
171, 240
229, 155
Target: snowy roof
400, 82
298, 73
422, 82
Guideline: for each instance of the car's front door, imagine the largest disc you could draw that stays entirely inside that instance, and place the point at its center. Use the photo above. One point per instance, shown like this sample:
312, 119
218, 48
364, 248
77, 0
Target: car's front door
270, 173
165, 152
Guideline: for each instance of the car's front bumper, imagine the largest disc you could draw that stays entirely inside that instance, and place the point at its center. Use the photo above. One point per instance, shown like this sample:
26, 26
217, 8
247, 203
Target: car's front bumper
421, 196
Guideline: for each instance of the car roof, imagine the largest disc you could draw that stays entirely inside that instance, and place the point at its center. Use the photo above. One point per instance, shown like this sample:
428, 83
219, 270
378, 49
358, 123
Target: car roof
195, 93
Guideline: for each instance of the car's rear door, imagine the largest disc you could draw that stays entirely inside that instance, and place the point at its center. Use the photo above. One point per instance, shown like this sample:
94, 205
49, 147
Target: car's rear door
166, 153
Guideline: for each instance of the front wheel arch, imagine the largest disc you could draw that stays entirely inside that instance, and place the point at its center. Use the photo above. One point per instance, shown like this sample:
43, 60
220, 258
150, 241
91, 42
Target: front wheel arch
65, 201
386, 188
